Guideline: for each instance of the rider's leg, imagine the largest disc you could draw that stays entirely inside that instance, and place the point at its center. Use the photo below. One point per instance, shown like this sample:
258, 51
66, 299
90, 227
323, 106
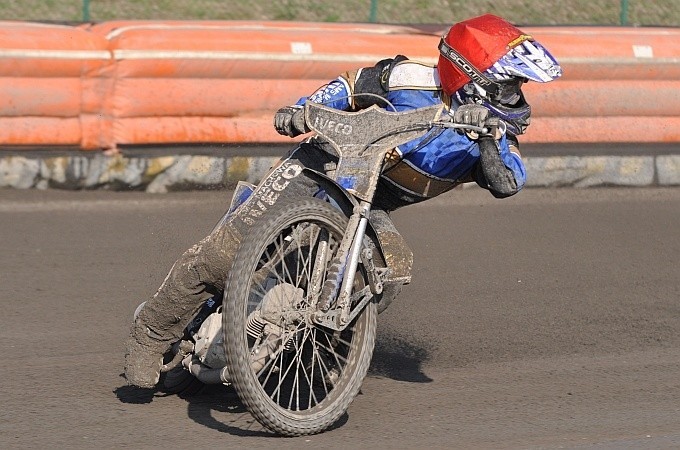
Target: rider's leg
200, 272
162, 319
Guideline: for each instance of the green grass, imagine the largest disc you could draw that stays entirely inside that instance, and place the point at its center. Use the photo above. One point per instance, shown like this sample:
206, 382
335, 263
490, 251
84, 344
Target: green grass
522, 12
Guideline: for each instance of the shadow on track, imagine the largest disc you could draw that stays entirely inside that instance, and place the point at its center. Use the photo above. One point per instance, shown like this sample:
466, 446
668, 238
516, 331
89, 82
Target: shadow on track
219, 407
202, 406
215, 400
134, 395
399, 360
215, 407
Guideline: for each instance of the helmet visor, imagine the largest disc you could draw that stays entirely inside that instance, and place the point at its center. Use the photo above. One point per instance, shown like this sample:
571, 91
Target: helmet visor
528, 60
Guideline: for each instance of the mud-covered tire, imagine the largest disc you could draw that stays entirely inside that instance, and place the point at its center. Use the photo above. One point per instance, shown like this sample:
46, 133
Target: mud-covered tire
308, 409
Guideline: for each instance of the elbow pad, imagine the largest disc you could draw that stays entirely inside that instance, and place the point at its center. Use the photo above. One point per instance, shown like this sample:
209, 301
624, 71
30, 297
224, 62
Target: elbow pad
492, 173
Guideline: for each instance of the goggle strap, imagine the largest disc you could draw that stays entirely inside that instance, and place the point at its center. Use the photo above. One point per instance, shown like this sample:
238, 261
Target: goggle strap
468, 68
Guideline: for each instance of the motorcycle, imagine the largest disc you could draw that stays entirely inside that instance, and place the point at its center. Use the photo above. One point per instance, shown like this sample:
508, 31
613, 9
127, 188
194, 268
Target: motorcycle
295, 328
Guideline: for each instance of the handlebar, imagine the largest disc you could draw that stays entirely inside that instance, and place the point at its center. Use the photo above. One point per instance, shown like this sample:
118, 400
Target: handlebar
299, 123
460, 126
375, 129
446, 121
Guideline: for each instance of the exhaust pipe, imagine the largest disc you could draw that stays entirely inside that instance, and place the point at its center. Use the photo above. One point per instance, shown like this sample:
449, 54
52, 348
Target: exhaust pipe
204, 373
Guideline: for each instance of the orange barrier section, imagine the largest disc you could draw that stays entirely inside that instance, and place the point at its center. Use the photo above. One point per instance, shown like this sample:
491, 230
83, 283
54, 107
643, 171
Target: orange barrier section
50, 85
132, 82
139, 97
619, 85
605, 98
222, 81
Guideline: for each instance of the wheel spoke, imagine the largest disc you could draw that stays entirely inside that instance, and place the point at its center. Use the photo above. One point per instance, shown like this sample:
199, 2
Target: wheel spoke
329, 348
322, 365
308, 377
271, 366
279, 351
296, 382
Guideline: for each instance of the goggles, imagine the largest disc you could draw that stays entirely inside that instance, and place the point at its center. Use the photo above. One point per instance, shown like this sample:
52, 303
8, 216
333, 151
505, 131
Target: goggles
510, 91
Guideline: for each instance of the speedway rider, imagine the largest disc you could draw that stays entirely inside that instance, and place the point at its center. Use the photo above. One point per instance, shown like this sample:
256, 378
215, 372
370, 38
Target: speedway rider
483, 63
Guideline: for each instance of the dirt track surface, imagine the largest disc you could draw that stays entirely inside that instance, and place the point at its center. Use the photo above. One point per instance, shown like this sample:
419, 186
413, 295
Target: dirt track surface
551, 319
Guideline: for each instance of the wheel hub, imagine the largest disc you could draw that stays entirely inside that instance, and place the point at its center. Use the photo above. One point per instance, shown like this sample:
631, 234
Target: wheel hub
281, 304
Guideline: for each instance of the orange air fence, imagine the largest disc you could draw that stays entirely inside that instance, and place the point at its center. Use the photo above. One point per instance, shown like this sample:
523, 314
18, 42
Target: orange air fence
135, 83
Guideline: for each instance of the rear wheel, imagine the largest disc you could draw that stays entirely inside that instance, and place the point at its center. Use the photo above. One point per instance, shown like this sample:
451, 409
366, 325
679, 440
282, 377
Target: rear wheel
294, 376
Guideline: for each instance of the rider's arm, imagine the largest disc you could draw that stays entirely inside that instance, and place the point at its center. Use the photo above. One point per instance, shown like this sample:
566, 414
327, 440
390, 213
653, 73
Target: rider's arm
500, 168
334, 94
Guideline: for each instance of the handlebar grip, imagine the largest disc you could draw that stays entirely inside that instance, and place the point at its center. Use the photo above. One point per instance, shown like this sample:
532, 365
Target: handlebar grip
298, 121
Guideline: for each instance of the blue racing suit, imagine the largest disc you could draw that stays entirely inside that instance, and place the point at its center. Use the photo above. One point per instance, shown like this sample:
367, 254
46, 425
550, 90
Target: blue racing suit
432, 164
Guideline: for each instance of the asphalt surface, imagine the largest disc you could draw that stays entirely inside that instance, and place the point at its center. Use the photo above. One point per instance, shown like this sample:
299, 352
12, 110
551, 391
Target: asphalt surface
547, 320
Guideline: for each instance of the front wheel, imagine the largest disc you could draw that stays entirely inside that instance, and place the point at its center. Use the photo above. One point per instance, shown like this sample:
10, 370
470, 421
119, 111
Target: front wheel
295, 377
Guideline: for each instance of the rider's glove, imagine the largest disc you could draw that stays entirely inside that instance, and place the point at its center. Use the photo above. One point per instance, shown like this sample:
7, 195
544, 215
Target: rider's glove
477, 116
286, 119
471, 114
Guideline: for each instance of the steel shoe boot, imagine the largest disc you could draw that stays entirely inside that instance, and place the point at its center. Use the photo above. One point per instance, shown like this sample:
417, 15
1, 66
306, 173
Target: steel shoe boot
143, 357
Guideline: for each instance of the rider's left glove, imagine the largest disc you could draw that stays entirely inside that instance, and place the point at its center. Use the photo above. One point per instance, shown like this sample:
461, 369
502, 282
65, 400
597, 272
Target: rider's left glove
472, 114
286, 118
477, 116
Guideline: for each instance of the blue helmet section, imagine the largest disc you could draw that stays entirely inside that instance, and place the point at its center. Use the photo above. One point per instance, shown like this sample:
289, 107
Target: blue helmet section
528, 60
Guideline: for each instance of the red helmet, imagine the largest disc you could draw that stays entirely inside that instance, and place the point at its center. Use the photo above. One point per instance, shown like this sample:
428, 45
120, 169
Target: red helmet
471, 47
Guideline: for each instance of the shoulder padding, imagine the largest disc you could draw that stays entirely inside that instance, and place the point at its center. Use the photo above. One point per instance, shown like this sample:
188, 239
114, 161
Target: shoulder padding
414, 75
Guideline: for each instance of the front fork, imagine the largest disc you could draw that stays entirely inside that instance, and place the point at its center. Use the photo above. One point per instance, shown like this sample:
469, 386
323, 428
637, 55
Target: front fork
341, 273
